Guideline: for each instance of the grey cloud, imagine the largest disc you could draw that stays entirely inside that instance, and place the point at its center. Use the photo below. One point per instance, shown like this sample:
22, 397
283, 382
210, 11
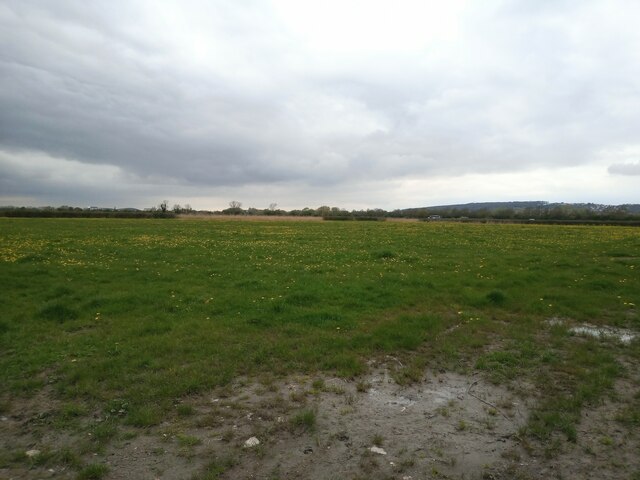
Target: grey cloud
625, 168
536, 84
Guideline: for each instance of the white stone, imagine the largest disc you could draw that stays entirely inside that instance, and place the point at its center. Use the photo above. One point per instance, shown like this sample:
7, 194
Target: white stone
32, 453
378, 450
252, 442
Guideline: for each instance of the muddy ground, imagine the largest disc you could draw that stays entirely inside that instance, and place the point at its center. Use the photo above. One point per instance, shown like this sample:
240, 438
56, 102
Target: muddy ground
447, 426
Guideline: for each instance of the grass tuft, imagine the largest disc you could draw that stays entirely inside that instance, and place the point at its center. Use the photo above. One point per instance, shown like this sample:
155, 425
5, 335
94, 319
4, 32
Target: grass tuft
496, 297
58, 312
304, 420
94, 471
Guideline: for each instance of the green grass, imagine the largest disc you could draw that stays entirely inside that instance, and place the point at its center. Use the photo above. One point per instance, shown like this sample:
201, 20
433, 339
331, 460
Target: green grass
215, 468
304, 420
138, 313
95, 471
188, 440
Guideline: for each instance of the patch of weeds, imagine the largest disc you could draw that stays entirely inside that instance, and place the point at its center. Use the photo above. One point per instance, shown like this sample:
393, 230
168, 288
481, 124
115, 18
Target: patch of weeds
68, 458
117, 408
592, 370
489, 423
72, 410
607, 441
69, 416
144, 416
57, 312
443, 411
405, 464
377, 440
496, 297
554, 416
94, 471
209, 420
501, 365
384, 254
408, 374
304, 420
363, 386
185, 410
188, 440
318, 385
45, 457
278, 307
103, 432
335, 389
298, 396
461, 426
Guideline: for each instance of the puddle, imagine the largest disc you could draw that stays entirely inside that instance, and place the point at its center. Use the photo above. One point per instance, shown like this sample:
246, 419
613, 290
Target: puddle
621, 334
624, 336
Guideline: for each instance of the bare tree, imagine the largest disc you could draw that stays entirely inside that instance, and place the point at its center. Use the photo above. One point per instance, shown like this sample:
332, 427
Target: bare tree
273, 206
164, 205
235, 204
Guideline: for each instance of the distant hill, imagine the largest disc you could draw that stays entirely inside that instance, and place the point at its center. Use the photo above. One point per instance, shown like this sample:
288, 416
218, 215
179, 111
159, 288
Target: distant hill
523, 209
490, 206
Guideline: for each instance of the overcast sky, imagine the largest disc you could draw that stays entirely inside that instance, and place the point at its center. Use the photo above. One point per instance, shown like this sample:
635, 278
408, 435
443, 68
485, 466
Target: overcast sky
357, 104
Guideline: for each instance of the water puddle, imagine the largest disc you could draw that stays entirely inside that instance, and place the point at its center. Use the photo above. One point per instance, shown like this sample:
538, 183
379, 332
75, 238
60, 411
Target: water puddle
621, 334
624, 336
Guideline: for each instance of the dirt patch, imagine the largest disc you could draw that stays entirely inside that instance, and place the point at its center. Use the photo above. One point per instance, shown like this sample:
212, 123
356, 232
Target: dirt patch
447, 426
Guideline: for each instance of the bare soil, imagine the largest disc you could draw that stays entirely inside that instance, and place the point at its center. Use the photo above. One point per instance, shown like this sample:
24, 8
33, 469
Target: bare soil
447, 426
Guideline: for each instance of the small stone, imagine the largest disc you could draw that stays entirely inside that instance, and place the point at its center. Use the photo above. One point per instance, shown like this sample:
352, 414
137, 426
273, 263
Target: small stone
252, 442
32, 453
308, 450
4, 419
378, 450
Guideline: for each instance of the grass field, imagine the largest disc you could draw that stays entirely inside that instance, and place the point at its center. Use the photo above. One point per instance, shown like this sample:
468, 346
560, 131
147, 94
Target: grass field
130, 315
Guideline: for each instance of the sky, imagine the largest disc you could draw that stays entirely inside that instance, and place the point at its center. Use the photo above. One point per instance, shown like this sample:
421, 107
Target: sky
349, 103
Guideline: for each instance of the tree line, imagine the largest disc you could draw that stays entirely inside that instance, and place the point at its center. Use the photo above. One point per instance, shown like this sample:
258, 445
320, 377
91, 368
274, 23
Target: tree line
569, 213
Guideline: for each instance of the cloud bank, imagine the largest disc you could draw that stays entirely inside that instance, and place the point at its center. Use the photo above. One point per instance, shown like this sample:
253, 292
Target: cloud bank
356, 102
